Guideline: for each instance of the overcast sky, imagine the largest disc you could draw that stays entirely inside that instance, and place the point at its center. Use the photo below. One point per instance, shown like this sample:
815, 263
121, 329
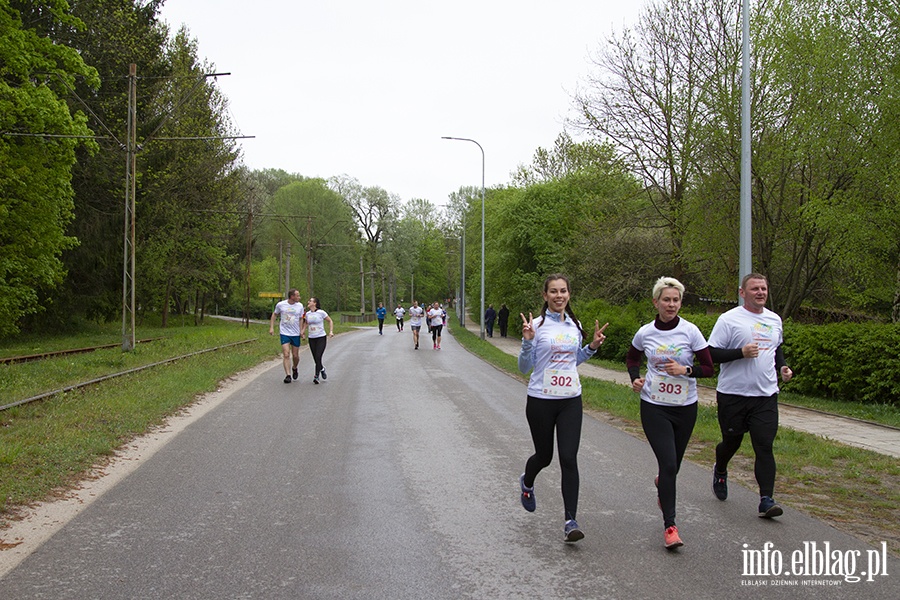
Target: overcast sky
368, 88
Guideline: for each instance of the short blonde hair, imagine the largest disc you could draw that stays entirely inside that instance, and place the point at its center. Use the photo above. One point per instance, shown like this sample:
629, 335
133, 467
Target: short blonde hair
667, 282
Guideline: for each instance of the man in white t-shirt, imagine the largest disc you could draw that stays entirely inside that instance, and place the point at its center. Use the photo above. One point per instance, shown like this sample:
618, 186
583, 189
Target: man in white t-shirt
747, 341
399, 312
291, 313
416, 313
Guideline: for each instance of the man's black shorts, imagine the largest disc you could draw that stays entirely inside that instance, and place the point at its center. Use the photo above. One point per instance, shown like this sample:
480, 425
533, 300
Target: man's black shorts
740, 414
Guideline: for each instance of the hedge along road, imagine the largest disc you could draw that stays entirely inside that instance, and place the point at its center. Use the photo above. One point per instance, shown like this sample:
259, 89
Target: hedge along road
397, 478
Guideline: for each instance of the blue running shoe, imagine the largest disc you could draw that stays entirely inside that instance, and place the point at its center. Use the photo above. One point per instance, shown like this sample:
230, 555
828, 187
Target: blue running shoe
324, 374
572, 532
528, 501
768, 508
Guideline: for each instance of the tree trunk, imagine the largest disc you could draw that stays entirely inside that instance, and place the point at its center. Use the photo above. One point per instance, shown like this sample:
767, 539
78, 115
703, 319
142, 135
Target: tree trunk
165, 305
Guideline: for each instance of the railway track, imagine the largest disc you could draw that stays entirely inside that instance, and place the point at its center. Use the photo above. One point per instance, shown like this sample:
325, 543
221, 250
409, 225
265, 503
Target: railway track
10, 360
114, 375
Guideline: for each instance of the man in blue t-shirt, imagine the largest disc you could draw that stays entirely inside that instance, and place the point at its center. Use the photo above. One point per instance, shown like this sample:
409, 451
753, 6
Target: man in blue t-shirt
380, 312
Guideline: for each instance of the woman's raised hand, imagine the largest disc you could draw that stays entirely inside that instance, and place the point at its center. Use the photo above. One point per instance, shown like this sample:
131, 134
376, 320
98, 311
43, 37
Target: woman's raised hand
527, 326
598, 335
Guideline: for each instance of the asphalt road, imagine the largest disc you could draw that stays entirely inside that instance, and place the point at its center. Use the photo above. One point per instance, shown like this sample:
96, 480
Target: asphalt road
397, 478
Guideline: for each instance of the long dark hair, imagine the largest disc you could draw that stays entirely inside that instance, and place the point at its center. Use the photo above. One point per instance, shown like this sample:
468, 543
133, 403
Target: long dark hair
569, 310
316, 299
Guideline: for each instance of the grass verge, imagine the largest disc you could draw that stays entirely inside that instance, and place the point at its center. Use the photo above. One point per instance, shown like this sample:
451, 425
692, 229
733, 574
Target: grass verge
855, 490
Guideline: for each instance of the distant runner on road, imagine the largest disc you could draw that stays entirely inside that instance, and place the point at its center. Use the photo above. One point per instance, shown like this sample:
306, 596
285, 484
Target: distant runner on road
399, 312
436, 321
416, 313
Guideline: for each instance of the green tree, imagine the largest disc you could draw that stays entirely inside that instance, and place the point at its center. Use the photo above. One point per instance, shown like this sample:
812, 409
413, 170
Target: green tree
117, 33
374, 211
422, 254
648, 99
36, 156
318, 225
863, 219
567, 157
188, 199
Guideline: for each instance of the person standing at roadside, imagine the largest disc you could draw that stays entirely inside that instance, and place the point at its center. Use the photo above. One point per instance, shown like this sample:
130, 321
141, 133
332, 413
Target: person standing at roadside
436, 321
489, 316
416, 313
747, 341
291, 313
503, 319
551, 350
668, 390
380, 312
314, 327
399, 312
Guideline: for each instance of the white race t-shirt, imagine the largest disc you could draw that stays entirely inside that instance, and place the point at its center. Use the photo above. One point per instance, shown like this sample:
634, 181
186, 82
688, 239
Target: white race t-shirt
678, 344
290, 317
748, 376
415, 316
315, 322
436, 317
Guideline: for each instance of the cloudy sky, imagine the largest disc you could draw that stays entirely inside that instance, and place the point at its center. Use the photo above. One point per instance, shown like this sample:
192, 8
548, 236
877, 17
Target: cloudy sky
367, 88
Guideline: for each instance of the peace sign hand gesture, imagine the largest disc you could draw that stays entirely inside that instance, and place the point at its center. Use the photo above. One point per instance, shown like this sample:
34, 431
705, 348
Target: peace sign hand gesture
598, 335
527, 326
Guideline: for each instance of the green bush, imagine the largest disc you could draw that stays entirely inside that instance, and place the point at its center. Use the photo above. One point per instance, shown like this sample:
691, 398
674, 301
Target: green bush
846, 361
624, 321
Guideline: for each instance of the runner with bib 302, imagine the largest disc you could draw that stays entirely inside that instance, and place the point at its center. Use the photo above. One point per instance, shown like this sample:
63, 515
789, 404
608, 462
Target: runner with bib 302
551, 351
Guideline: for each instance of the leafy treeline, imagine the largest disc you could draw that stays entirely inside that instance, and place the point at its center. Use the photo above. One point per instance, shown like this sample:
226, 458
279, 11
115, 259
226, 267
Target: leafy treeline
209, 233
74, 58
824, 127
651, 190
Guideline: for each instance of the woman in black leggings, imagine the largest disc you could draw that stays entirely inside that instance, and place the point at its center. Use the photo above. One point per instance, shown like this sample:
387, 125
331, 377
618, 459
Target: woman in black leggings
314, 323
551, 350
435, 318
668, 390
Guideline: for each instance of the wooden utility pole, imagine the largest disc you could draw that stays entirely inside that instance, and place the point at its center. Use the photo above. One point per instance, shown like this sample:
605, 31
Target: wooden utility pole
249, 250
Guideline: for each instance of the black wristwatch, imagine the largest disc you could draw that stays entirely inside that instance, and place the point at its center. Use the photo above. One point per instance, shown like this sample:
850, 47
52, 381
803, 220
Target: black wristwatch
690, 371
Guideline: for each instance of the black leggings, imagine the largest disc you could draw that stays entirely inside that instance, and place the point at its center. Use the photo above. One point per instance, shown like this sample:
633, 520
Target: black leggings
436, 332
317, 349
668, 429
759, 416
564, 416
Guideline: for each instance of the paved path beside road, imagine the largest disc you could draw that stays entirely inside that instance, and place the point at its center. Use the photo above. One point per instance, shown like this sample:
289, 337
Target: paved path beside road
853, 432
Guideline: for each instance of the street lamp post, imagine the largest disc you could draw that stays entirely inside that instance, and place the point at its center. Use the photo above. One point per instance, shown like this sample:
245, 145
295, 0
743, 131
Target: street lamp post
482, 221
745, 244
